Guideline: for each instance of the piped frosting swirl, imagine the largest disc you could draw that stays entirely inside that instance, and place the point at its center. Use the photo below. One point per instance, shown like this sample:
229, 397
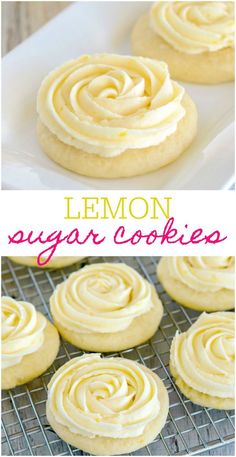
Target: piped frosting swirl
22, 330
203, 274
103, 298
105, 103
203, 357
109, 397
194, 27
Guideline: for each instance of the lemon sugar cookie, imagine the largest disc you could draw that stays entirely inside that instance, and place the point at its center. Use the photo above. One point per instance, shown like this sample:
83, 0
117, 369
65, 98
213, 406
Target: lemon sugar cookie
195, 39
200, 283
55, 262
29, 343
202, 361
106, 307
106, 406
110, 116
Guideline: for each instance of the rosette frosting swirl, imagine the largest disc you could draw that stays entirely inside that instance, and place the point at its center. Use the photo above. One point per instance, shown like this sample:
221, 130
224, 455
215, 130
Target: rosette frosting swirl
105, 103
204, 274
103, 297
203, 357
22, 330
194, 27
109, 397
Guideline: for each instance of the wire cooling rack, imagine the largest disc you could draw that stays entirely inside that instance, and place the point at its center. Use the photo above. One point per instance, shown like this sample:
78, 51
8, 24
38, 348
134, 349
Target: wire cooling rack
190, 429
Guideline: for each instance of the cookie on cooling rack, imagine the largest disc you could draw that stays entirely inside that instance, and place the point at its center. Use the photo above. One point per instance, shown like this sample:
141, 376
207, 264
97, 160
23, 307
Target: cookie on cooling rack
106, 406
30, 343
195, 39
202, 361
106, 307
200, 283
55, 262
111, 116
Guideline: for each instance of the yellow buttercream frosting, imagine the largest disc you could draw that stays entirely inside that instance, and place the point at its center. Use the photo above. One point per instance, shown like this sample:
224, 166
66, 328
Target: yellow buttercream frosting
105, 104
108, 397
203, 274
103, 297
22, 330
194, 27
203, 357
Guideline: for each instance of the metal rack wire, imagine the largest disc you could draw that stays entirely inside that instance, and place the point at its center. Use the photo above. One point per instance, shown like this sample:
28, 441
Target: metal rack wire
190, 429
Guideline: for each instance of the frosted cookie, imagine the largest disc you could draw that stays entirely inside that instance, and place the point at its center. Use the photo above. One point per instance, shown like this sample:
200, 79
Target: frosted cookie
106, 406
29, 343
111, 116
55, 262
202, 361
200, 283
106, 307
195, 39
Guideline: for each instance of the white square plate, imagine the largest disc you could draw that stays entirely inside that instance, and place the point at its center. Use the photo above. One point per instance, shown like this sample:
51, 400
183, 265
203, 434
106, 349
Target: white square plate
89, 27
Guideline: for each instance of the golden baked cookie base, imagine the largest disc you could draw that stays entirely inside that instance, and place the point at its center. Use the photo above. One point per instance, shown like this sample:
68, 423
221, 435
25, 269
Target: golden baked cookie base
141, 329
221, 300
199, 398
116, 446
132, 162
33, 365
56, 262
206, 68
